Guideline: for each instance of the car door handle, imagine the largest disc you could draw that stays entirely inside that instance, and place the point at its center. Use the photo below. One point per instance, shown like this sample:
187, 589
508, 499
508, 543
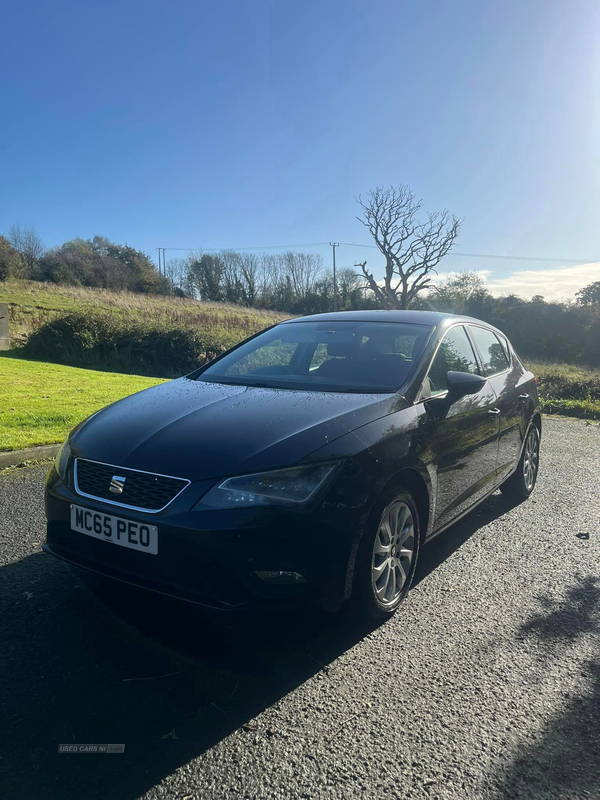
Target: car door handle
494, 412
524, 396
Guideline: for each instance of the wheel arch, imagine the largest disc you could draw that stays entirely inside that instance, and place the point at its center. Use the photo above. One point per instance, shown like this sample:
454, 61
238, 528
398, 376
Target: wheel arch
411, 479
415, 479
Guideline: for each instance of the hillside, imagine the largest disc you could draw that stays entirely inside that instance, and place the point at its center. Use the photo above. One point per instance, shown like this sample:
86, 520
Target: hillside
32, 303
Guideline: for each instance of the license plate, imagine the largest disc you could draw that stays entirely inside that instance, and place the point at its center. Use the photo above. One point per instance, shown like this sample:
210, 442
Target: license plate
124, 532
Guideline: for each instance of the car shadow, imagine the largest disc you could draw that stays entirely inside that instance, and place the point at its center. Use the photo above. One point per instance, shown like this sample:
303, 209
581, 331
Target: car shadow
161, 678
441, 547
564, 760
156, 675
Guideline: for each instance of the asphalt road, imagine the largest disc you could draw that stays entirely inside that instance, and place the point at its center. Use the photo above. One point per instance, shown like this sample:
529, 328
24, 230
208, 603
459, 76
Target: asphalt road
486, 684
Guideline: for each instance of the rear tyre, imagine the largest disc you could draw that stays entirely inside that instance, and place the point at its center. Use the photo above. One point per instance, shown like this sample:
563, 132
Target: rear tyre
387, 556
522, 482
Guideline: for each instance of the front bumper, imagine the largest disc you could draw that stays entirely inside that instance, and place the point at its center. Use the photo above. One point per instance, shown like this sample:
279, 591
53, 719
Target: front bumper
211, 557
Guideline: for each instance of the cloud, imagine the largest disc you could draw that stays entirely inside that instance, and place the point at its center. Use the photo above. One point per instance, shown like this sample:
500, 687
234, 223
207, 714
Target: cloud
555, 283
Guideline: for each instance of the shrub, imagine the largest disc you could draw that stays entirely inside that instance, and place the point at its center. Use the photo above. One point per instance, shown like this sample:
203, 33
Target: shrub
129, 345
564, 387
11, 262
570, 396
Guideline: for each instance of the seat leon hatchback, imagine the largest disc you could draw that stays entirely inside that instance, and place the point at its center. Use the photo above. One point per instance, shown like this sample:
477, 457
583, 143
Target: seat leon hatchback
308, 464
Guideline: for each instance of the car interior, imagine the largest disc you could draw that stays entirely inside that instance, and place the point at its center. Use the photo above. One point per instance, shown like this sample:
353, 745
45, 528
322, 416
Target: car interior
372, 362
342, 358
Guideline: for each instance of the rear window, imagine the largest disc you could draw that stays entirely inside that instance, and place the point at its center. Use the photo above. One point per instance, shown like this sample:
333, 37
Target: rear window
491, 350
505, 345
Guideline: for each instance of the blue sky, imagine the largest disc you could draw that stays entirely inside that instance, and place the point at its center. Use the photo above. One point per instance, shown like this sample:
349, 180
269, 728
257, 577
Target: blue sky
194, 124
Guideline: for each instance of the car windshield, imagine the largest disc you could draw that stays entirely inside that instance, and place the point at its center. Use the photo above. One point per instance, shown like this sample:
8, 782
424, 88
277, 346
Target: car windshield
343, 356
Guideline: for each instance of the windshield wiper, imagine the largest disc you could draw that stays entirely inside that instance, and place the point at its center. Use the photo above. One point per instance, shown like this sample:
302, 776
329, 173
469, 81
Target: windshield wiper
229, 382
368, 389
298, 386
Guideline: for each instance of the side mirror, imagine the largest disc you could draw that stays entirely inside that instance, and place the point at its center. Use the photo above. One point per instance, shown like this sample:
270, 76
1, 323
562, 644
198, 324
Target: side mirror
463, 383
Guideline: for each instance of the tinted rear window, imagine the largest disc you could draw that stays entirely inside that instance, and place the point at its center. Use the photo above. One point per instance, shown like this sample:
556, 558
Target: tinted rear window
490, 349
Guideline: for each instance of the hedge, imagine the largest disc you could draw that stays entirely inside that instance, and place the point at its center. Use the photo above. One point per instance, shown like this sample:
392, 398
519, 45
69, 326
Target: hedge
104, 340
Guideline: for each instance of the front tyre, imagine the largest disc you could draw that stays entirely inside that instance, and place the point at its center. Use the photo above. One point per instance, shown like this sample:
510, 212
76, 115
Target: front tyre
522, 482
388, 554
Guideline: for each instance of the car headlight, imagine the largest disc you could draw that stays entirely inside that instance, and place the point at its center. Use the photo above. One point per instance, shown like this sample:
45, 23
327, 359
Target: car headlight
62, 460
284, 487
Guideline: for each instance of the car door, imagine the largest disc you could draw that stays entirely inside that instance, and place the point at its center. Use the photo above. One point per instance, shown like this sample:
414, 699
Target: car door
504, 380
464, 442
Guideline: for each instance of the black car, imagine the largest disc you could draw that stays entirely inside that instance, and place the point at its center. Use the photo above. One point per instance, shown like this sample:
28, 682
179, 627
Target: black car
308, 464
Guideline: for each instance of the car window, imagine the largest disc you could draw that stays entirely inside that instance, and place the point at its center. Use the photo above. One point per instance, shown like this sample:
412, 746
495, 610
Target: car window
325, 356
321, 355
455, 354
375, 343
403, 345
276, 354
505, 345
490, 349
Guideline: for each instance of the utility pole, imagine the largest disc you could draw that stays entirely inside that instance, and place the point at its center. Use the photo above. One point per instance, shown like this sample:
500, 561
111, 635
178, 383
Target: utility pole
333, 246
162, 271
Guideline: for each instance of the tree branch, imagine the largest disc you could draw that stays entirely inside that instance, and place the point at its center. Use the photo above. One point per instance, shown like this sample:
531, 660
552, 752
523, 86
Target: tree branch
412, 249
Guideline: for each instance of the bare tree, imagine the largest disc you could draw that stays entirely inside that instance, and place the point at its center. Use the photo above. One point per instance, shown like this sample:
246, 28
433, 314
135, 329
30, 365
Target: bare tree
270, 275
230, 279
28, 242
250, 274
412, 249
349, 286
176, 272
304, 270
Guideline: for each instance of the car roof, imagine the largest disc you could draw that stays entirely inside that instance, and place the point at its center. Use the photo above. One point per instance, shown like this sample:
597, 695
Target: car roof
432, 318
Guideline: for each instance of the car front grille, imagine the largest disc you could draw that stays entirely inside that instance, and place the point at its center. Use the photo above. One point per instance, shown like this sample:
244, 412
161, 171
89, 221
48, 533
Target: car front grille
146, 491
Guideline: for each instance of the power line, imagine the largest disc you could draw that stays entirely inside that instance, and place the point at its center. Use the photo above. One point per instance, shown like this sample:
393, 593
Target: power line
267, 247
333, 246
455, 253
491, 255
529, 258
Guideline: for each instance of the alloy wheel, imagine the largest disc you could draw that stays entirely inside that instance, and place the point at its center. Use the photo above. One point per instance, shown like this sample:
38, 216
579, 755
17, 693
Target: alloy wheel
393, 552
531, 456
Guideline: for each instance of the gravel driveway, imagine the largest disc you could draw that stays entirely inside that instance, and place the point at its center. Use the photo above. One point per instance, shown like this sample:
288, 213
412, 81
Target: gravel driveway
486, 684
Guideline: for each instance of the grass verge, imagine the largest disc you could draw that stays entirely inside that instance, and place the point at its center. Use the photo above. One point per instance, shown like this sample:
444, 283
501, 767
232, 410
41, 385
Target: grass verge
40, 403
568, 389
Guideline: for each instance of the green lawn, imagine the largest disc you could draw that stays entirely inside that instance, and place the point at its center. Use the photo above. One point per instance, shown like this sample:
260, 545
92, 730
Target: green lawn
40, 403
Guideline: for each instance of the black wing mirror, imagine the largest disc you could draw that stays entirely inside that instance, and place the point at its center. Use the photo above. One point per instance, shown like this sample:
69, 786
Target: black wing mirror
459, 384
463, 383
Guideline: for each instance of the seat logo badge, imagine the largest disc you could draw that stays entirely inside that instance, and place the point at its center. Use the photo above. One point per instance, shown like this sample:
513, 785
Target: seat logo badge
117, 484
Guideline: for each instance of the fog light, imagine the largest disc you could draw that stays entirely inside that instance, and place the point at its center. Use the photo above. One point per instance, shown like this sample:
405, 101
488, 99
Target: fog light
280, 576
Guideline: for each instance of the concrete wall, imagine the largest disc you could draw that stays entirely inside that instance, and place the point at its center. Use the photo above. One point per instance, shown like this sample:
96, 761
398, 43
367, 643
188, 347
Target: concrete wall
4, 337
